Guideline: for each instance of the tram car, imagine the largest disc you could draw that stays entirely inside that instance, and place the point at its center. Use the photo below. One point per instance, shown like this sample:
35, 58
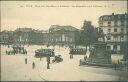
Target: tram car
44, 53
78, 51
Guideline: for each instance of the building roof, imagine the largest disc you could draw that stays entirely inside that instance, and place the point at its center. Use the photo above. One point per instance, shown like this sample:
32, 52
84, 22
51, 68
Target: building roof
24, 29
66, 28
113, 16
6, 32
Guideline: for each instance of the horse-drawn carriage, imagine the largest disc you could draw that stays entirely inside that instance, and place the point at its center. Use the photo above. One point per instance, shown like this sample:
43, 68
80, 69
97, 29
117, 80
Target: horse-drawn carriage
57, 59
44, 53
16, 49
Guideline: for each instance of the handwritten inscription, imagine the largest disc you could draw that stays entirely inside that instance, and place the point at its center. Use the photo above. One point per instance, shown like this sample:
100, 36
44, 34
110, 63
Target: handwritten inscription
110, 5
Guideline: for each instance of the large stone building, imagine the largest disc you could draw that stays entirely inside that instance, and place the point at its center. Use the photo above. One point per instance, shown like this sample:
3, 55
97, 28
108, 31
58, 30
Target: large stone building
36, 37
61, 35
115, 28
27, 36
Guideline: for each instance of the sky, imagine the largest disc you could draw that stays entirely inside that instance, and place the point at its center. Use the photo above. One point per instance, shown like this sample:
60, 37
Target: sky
42, 14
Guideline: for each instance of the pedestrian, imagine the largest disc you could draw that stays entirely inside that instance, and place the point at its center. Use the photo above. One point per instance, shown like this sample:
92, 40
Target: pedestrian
25, 60
71, 56
85, 58
6, 52
115, 66
33, 65
48, 62
80, 62
8, 46
48, 66
40, 58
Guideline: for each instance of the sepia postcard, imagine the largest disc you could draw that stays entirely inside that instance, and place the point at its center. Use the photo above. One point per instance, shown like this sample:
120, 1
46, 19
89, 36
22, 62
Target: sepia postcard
58, 40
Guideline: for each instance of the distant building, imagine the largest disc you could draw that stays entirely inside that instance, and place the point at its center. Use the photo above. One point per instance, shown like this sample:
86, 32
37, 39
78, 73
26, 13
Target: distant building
21, 35
36, 37
61, 35
23, 29
56, 35
27, 36
115, 27
6, 37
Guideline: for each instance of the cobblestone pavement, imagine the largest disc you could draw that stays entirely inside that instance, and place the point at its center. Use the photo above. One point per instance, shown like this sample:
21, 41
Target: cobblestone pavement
13, 68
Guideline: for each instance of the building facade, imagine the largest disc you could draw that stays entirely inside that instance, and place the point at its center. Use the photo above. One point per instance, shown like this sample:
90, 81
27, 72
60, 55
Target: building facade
56, 35
61, 35
115, 28
6, 37
36, 37
21, 35
28, 36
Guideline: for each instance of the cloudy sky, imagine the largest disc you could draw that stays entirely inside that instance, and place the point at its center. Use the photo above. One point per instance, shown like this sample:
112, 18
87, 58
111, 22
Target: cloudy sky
42, 14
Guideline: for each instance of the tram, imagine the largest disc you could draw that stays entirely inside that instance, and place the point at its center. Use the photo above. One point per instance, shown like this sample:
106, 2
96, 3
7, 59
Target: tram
78, 51
44, 53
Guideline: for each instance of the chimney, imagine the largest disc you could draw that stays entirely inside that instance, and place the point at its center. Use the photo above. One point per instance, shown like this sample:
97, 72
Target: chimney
112, 13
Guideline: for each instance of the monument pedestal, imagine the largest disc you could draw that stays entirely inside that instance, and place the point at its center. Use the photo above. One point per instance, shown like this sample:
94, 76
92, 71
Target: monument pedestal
99, 54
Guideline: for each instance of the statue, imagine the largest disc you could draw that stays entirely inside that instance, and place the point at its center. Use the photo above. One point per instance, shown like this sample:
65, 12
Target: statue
99, 54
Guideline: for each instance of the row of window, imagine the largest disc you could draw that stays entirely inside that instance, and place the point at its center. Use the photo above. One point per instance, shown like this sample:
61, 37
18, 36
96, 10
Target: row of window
59, 39
115, 30
116, 38
113, 23
115, 47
